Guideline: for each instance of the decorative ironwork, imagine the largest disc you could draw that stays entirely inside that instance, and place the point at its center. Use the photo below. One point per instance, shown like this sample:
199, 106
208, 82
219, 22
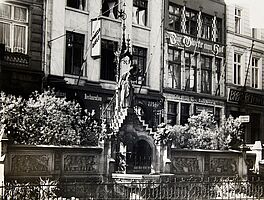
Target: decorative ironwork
16, 58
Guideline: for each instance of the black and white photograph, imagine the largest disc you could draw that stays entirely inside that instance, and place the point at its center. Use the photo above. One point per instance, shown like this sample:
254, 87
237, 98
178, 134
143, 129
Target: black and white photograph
131, 99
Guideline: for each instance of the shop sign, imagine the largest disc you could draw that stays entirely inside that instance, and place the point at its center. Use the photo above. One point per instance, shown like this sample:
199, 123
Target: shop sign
250, 98
200, 108
92, 98
244, 118
189, 42
197, 100
96, 38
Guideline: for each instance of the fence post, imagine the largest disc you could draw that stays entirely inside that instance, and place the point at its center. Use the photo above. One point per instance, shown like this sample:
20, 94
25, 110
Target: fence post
3, 151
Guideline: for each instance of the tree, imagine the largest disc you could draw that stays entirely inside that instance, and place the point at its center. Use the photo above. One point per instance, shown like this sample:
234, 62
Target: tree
202, 132
47, 119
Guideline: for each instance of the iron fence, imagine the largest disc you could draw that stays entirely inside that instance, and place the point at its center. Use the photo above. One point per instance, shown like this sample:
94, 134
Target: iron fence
169, 189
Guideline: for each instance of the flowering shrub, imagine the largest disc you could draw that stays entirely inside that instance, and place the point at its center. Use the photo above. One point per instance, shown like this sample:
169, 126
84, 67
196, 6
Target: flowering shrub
46, 119
202, 132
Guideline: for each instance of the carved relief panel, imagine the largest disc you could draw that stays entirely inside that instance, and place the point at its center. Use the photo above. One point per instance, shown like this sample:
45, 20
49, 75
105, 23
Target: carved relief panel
30, 164
223, 166
80, 163
185, 165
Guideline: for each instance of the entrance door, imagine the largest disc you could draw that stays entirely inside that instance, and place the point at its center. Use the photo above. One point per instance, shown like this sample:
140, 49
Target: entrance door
139, 158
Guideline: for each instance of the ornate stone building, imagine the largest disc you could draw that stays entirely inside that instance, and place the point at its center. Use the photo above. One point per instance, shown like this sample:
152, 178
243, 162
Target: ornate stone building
194, 52
21, 46
244, 71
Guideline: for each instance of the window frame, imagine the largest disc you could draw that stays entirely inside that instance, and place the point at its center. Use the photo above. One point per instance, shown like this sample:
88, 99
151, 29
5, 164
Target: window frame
194, 68
84, 8
184, 116
175, 26
104, 71
206, 70
172, 116
141, 72
255, 77
237, 69
176, 65
12, 23
138, 4
69, 68
238, 14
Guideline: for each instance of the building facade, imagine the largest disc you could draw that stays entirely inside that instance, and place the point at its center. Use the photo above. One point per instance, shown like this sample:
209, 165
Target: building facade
21, 43
194, 52
84, 37
244, 71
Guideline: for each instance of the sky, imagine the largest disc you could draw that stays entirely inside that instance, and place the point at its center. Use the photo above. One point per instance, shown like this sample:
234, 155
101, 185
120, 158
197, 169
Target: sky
256, 10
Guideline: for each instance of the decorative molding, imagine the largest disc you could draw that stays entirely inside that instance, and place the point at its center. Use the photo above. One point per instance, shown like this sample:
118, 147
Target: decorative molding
185, 165
80, 163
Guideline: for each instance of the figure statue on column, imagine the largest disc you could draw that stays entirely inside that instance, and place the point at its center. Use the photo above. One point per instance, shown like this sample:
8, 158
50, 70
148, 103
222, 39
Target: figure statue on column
126, 89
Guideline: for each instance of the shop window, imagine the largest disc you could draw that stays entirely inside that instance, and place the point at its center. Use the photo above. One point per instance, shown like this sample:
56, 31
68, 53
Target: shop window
74, 53
190, 71
140, 8
206, 74
237, 69
174, 68
110, 8
14, 27
207, 27
77, 4
174, 17
185, 113
217, 75
171, 113
191, 22
108, 65
237, 20
254, 73
140, 60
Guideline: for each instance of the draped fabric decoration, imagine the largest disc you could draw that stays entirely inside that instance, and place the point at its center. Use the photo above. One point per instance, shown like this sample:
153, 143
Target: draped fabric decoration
199, 25
183, 20
214, 29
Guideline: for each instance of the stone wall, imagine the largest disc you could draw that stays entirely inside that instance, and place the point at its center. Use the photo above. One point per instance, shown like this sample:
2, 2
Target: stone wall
64, 163
207, 163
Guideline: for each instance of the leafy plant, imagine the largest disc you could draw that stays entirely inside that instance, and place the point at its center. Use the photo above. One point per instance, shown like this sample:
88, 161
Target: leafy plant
47, 119
202, 132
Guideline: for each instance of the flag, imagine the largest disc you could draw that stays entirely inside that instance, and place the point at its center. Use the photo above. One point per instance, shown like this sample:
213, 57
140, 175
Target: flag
214, 29
199, 24
183, 20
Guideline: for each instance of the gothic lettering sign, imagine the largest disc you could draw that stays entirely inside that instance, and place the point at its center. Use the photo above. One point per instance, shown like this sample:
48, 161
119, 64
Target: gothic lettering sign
96, 38
179, 40
250, 98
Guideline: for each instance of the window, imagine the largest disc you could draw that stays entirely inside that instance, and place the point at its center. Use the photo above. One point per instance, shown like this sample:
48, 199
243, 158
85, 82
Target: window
14, 27
254, 33
237, 69
77, 4
140, 60
108, 66
172, 113
206, 74
219, 30
207, 27
190, 71
174, 69
185, 113
237, 20
217, 75
74, 53
140, 8
191, 22
174, 17
110, 8
217, 115
255, 73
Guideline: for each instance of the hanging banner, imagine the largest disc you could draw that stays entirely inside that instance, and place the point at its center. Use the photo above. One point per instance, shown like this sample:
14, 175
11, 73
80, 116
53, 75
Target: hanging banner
96, 38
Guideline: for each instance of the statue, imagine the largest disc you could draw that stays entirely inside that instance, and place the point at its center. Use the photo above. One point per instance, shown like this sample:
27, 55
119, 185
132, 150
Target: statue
126, 89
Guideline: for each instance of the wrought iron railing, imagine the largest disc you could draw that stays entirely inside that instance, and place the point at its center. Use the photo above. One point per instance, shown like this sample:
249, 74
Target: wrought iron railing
170, 189
16, 58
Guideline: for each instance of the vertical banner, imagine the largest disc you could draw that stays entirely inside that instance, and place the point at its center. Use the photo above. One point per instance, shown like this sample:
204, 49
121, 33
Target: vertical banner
96, 38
